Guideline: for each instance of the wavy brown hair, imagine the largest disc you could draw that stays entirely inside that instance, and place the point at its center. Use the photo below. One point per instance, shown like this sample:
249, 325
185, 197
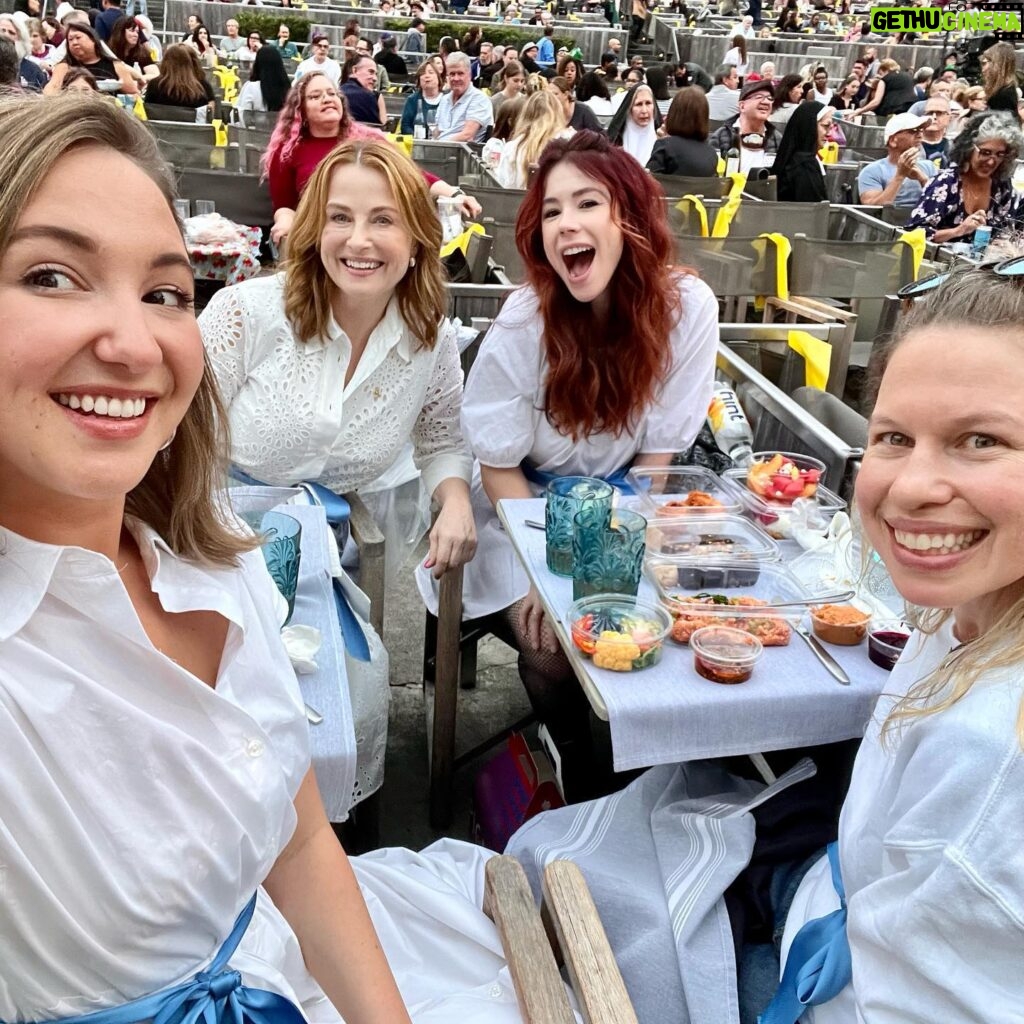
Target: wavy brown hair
176, 497
308, 288
603, 373
181, 77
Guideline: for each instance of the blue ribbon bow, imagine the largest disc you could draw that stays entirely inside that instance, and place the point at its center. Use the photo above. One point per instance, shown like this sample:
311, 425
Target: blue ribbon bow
213, 996
819, 966
542, 477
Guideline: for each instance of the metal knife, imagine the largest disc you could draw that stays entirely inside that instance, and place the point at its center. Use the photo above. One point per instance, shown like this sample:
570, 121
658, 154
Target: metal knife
832, 666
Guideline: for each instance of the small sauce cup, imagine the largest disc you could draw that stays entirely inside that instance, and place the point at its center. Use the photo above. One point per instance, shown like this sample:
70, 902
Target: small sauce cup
725, 655
886, 642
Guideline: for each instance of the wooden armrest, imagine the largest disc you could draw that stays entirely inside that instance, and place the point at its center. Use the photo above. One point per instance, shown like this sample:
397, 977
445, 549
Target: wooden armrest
370, 541
594, 974
508, 901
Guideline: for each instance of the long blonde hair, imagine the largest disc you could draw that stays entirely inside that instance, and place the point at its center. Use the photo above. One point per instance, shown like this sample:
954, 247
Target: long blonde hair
308, 288
974, 297
541, 120
176, 496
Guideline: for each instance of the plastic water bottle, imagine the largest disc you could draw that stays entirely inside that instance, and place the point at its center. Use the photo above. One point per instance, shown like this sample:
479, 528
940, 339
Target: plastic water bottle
982, 236
732, 161
729, 425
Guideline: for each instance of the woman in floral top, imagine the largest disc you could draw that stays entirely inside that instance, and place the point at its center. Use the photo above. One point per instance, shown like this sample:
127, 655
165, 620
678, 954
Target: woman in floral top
975, 189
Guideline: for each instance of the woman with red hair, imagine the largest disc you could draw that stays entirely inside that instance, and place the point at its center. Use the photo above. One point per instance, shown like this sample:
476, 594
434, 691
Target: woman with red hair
313, 120
603, 359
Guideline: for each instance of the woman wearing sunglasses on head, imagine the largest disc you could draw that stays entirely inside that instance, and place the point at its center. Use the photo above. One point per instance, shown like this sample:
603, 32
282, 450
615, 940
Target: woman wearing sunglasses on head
975, 189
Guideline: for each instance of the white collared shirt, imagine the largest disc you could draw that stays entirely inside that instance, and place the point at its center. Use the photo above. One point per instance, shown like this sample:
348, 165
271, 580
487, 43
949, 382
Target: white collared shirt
472, 105
140, 808
294, 418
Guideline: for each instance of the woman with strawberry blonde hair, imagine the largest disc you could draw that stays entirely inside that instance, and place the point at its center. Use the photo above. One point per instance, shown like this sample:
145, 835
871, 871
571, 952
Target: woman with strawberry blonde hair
603, 359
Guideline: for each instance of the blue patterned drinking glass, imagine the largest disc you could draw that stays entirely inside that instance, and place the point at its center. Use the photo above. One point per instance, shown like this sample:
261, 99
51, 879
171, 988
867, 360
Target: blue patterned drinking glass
607, 557
281, 551
567, 495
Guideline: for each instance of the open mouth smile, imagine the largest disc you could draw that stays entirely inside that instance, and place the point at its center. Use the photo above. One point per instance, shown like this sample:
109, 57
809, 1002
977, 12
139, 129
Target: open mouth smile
578, 260
934, 544
103, 405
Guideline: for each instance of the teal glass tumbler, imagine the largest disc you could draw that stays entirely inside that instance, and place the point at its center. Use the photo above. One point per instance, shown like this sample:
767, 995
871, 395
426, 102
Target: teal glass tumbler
567, 495
607, 556
282, 540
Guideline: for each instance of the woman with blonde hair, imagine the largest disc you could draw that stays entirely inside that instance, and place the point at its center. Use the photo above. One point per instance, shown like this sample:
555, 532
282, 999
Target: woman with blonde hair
928, 853
542, 119
149, 714
999, 74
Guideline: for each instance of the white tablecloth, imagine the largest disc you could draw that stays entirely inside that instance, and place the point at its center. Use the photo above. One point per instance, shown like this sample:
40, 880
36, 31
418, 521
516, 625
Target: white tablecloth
668, 713
333, 741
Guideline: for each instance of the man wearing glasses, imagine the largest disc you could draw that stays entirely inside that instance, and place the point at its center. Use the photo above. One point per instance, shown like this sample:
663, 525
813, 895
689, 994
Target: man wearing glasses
934, 143
897, 179
320, 60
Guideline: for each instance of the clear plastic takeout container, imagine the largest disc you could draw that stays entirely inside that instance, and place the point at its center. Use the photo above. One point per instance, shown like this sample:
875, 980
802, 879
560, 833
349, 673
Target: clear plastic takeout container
803, 464
711, 538
725, 655
665, 490
618, 633
738, 600
778, 518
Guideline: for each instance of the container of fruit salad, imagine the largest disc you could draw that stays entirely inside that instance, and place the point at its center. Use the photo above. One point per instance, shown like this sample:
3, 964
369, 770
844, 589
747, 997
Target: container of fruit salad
784, 476
840, 624
664, 491
778, 518
710, 538
738, 602
725, 655
618, 633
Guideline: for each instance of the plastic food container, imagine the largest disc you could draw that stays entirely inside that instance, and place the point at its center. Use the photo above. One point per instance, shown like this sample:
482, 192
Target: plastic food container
777, 518
664, 491
740, 607
710, 538
784, 476
886, 642
618, 633
725, 655
840, 624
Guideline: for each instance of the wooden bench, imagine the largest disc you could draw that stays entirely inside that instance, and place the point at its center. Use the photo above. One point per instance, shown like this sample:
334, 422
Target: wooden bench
569, 932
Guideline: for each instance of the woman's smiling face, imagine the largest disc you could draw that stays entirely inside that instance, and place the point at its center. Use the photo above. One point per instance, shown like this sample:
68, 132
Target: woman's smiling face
102, 355
942, 497
582, 239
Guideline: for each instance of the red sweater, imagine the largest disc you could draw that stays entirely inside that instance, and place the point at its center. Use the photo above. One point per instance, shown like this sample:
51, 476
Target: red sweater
287, 180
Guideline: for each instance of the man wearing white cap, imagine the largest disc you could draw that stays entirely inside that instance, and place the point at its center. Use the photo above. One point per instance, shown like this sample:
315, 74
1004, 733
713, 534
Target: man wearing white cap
897, 179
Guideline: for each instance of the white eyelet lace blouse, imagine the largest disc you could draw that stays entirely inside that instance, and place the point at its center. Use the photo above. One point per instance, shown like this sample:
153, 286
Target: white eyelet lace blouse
292, 416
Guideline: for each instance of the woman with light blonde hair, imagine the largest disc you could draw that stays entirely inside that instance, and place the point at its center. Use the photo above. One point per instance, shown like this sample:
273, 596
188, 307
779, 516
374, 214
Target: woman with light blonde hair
541, 120
929, 850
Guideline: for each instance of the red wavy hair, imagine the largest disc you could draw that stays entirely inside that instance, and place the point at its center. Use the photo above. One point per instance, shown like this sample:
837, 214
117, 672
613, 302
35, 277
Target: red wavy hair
603, 374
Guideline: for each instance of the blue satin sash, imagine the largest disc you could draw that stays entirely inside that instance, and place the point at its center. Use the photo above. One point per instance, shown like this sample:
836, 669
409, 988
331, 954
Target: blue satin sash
819, 965
542, 477
212, 996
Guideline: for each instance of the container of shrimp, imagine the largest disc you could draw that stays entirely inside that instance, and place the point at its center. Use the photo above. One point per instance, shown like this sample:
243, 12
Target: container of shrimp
669, 491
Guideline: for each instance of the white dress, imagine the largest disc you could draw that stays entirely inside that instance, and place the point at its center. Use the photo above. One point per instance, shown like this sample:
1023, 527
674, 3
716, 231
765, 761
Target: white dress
504, 424
293, 418
932, 859
140, 809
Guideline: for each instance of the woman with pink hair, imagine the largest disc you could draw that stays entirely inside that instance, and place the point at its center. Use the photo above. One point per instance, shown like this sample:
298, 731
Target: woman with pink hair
313, 120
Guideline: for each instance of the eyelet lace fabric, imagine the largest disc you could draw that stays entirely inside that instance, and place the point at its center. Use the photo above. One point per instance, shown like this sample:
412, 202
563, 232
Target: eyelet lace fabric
290, 418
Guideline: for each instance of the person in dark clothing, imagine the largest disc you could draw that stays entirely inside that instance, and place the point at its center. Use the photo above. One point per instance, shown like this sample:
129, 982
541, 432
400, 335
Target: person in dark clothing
801, 174
999, 76
685, 149
107, 18
389, 58
578, 115
688, 73
359, 76
894, 92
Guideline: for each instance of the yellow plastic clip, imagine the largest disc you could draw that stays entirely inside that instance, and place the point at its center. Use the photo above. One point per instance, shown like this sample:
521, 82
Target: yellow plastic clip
817, 357
726, 212
916, 240
783, 248
220, 133
139, 108
403, 142
829, 153
691, 204
461, 242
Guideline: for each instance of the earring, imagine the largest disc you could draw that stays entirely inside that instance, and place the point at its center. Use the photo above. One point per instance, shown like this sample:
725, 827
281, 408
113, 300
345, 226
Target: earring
412, 262
167, 444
